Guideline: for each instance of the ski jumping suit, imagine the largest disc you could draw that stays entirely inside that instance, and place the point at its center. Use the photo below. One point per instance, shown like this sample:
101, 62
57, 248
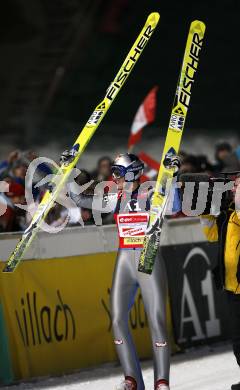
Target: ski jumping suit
131, 215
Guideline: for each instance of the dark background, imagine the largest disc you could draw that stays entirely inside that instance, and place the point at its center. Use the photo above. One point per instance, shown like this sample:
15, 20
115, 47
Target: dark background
59, 56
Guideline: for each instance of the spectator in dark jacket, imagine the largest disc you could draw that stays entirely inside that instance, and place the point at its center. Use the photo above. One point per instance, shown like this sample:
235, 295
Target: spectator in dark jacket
226, 158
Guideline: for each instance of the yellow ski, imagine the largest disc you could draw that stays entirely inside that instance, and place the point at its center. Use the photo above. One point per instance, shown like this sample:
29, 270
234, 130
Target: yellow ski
84, 137
172, 144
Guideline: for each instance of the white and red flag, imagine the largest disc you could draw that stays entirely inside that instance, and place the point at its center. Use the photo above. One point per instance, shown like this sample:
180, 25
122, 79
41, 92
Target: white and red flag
144, 116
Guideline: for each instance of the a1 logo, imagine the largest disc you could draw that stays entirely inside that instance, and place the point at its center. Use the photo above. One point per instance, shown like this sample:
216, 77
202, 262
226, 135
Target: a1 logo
133, 205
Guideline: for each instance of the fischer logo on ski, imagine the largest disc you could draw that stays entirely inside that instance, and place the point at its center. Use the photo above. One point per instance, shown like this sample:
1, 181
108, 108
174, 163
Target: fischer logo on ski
129, 63
172, 145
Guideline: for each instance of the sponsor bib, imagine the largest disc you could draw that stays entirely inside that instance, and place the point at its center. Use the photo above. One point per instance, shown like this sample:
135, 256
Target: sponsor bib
131, 229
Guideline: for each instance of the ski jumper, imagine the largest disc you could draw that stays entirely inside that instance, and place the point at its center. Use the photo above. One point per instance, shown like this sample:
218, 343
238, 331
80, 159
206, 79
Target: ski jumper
131, 215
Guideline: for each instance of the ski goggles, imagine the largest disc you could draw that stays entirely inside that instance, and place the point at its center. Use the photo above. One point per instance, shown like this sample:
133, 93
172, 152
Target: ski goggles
118, 171
129, 173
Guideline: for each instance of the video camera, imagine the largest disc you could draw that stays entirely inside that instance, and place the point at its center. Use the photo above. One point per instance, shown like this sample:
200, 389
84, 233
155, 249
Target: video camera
226, 197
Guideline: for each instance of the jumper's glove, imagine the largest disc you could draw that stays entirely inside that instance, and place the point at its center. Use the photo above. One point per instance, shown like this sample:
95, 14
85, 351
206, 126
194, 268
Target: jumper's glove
172, 162
68, 156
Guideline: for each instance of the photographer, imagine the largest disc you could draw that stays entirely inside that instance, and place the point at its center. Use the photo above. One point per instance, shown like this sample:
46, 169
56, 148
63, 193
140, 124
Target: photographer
225, 228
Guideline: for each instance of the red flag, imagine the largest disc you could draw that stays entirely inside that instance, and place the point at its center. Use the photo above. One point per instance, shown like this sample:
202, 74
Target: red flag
151, 167
144, 116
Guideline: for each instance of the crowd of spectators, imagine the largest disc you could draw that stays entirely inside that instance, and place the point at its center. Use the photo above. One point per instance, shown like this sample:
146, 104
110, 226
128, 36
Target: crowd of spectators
12, 196
13, 171
227, 159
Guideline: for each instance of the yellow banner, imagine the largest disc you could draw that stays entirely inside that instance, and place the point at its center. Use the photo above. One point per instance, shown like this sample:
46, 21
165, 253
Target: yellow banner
57, 313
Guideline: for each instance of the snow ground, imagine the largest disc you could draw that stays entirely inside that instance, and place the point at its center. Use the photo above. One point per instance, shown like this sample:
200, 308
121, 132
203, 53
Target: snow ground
206, 368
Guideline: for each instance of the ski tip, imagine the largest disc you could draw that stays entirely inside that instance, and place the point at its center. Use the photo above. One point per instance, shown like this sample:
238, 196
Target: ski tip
199, 25
8, 269
10, 266
144, 270
153, 18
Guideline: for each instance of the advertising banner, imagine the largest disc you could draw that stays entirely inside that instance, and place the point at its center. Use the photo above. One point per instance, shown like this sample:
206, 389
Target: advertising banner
199, 311
57, 315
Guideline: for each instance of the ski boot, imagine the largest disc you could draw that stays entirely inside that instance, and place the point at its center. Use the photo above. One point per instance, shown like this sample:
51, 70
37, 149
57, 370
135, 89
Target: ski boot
236, 386
161, 384
128, 384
